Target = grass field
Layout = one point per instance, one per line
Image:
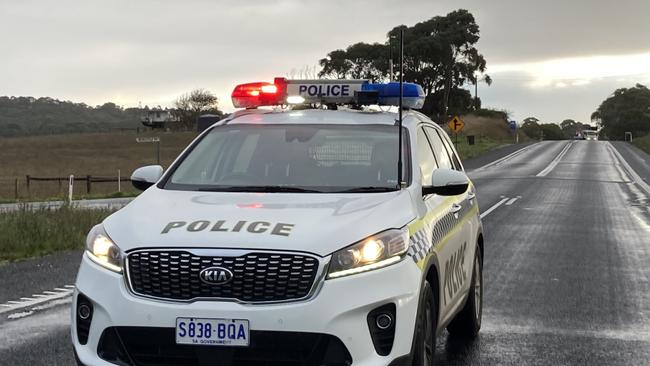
(30, 233)
(81, 155)
(103, 154)
(643, 143)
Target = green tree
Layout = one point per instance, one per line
(628, 109)
(195, 103)
(551, 131)
(460, 101)
(358, 61)
(440, 54)
(570, 128)
(530, 126)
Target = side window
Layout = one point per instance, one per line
(450, 150)
(439, 149)
(426, 160)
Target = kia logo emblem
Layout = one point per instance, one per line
(216, 275)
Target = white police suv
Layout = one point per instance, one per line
(288, 236)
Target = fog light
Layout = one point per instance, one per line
(384, 321)
(84, 311)
(84, 318)
(381, 324)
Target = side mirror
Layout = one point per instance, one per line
(146, 176)
(447, 182)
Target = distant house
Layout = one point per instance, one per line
(158, 118)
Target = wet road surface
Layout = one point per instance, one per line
(566, 272)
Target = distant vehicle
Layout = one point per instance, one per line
(590, 135)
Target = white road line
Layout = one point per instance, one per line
(13, 306)
(496, 205)
(69, 286)
(630, 172)
(555, 161)
(499, 161)
(512, 200)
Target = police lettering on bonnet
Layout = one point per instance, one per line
(254, 227)
(341, 260)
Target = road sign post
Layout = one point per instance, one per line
(512, 125)
(155, 139)
(456, 125)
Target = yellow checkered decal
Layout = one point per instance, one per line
(428, 233)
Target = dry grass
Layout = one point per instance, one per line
(100, 154)
(485, 127)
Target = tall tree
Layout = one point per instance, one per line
(358, 61)
(627, 110)
(195, 103)
(440, 55)
(531, 128)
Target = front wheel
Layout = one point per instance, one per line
(467, 322)
(426, 324)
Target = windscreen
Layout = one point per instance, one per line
(289, 157)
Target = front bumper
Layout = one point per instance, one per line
(340, 309)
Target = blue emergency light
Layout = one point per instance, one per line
(320, 91)
(388, 94)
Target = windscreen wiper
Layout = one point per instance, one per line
(369, 189)
(264, 189)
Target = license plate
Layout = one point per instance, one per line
(212, 332)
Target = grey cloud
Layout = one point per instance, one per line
(150, 50)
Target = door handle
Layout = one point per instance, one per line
(455, 208)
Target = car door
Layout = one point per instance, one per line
(454, 247)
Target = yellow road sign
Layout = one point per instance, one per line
(456, 124)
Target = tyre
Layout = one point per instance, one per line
(467, 322)
(426, 323)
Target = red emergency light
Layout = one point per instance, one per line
(253, 95)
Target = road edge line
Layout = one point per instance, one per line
(21, 305)
(500, 160)
(630, 171)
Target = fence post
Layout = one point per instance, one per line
(70, 188)
(16, 188)
(119, 181)
(29, 192)
(88, 184)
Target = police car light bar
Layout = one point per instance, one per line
(359, 92)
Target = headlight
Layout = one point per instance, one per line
(374, 252)
(102, 250)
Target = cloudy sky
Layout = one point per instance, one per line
(552, 59)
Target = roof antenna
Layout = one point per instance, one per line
(401, 96)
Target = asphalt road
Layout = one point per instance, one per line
(567, 265)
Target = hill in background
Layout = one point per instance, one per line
(20, 116)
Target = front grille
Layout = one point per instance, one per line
(149, 346)
(257, 276)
